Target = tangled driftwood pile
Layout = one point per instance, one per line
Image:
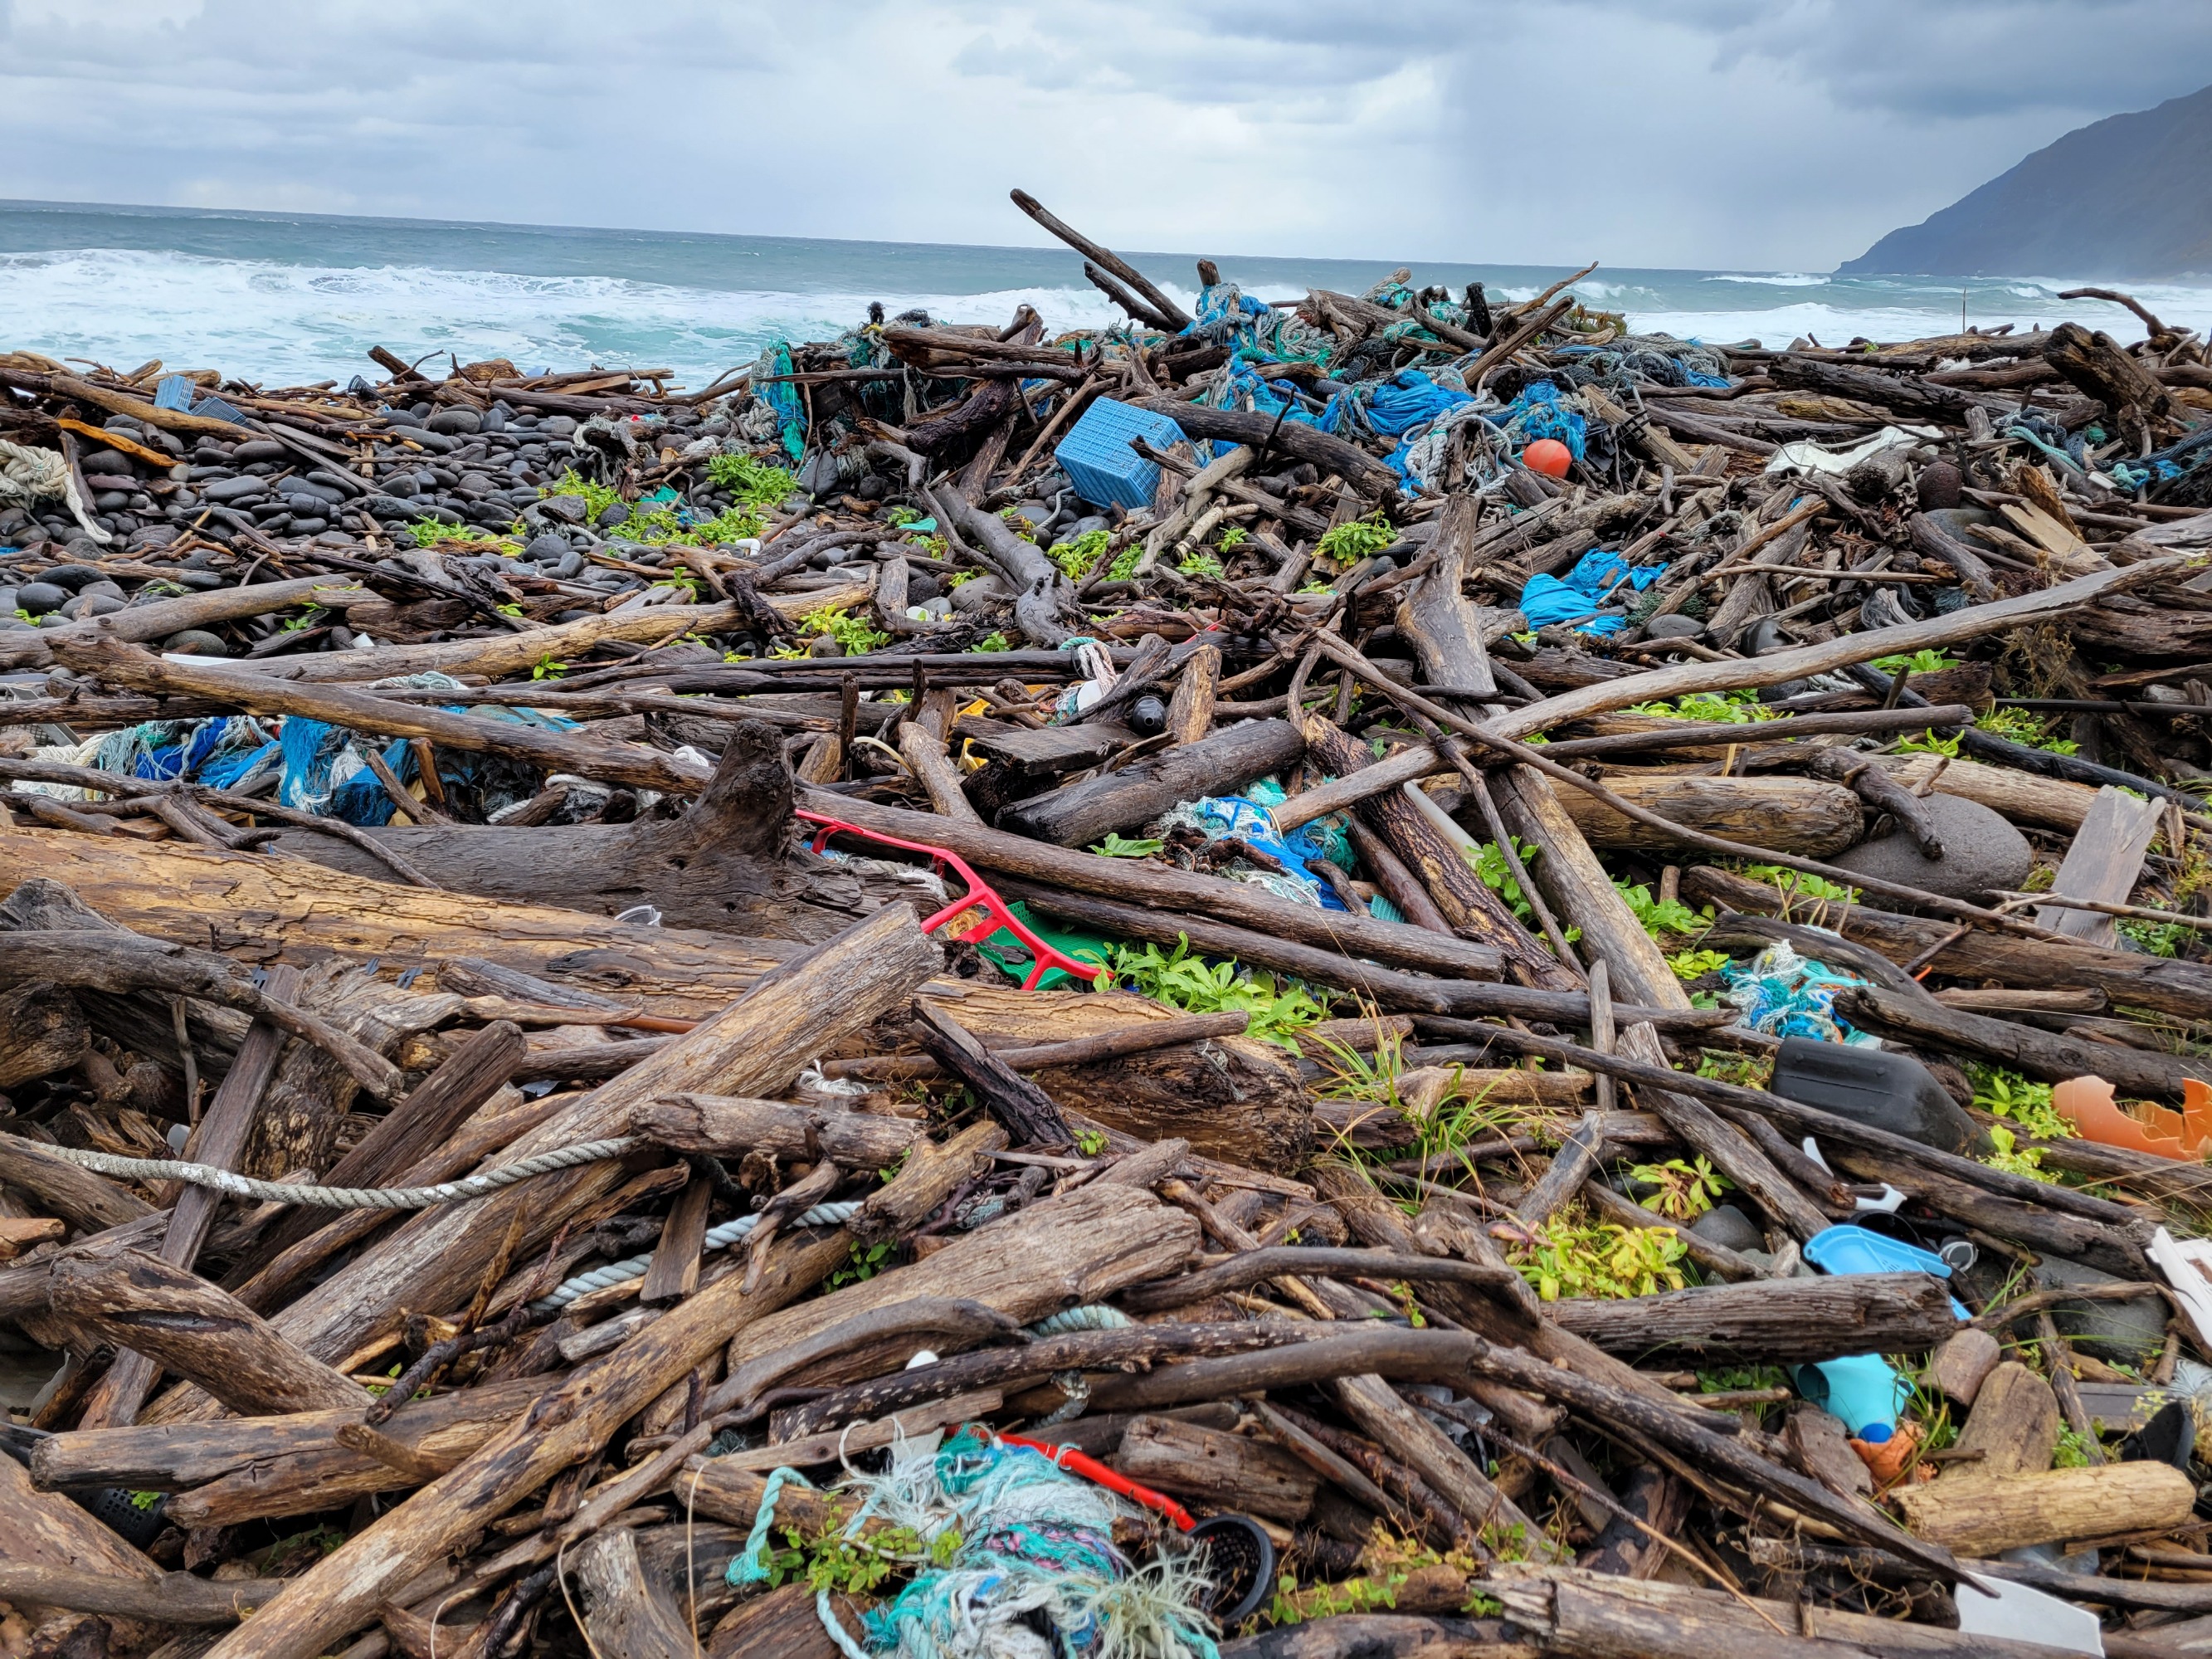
(1504, 773)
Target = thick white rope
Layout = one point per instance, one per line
(346, 1198)
(717, 1238)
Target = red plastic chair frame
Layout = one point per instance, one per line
(981, 895)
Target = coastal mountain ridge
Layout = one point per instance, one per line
(2130, 195)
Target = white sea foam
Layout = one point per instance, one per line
(291, 322)
(294, 324)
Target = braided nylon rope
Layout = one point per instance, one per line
(346, 1198)
(717, 1238)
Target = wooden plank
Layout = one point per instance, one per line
(2103, 863)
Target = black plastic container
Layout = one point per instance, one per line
(1875, 1087)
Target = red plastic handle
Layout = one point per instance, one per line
(981, 895)
(1090, 1468)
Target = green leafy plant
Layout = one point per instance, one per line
(2017, 1100)
(1725, 1066)
(2073, 1449)
(2008, 1157)
(755, 482)
(545, 668)
(1120, 846)
(428, 532)
(1090, 1142)
(1488, 862)
(2024, 725)
(992, 643)
(1079, 557)
(1571, 1255)
(1657, 916)
(863, 1264)
(1360, 538)
(2161, 939)
(1741, 1379)
(830, 1563)
(851, 632)
(1920, 662)
(1200, 563)
(900, 517)
(1386, 1563)
(1687, 1189)
(1929, 744)
(1795, 885)
(1183, 979)
(1233, 537)
(1707, 708)
(1696, 965)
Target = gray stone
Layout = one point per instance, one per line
(37, 598)
(1730, 1227)
(613, 512)
(95, 604)
(2129, 1331)
(565, 509)
(228, 490)
(455, 423)
(1672, 626)
(196, 643)
(71, 576)
(548, 548)
(1981, 851)
(979, 594)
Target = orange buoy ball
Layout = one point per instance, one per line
(1549, 457)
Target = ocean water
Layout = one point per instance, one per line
(285, 298)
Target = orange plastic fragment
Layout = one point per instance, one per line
(1885, 1460)
(2087, 1103)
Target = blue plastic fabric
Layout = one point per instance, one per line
(311, 754)
(1407, 399)
(1249, 821)
(1547, 601)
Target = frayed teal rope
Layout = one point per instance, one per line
(749, 1568)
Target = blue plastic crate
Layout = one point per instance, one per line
(1098, 461)
(178, 392)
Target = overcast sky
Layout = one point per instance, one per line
(1762, 134)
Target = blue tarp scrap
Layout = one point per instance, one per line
(1547, 601)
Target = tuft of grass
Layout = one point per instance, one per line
(428, 532)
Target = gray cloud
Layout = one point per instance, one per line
(1762, 133)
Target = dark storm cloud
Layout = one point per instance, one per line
(1690, 132)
